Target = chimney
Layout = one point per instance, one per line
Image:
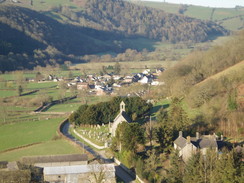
(197, 135)
(188, 139)
(180, 133)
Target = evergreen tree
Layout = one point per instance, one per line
(175, 173)
(192, 171)
(225, 171)
(20, 90)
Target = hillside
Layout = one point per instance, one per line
(211, 83)
(229, 18)
(70, 30)
(133, 20)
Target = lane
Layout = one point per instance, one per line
(119, 171)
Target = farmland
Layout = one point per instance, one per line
(230, 18)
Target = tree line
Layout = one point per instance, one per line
(105, 112)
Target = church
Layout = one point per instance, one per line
(121, 117)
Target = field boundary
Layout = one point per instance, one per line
(20, 147)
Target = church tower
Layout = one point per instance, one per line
(122, 107)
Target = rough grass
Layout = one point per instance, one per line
(74, 104)
(129, 67)
(20, 134)
(221, 15)
(47, 148)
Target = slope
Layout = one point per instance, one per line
(211, 83)
(66, 38)
(229, 18)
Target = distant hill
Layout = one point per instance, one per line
(229, 18)
(72, 29)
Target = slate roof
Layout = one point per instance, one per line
(180, 141)
(123, 113)
(78, 169)
(207, 142)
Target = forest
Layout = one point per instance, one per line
(101, 26)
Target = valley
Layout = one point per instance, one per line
(152, 89)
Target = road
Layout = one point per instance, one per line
(119, 171)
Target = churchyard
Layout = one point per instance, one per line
(98, 134)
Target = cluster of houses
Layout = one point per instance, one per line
(105, 84)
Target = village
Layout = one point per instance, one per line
(107, 84)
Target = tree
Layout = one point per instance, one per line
(175, 173)
(177, 116)
(130, 135)
(224, 171)
(117, 68)
(20, 90)
(192, 171)
(38, 77)
(151, 165)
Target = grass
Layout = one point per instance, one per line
(41, 5)
(34, 85)
(74, 104)
(204, 13)
(168, 7)
(47, 148)
(95, 132)
(199, 12)
(127, 67)
(20, 134)
(164, 103)
(8, 93)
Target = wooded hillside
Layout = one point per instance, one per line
(211, 82)
(67, 32)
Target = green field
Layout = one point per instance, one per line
(230, 18)
(126, 67)
(73, 104)
(47, 4)
(54, 147)
(20, 134)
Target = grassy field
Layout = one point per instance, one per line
(73, 105)
(225, 16)
(53, 147)
(47, 4)
(128, 67)
(20, 134)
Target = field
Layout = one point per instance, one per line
(230, 18)
(126, 67)
(72, 105)
(24, 133)
(47, 148)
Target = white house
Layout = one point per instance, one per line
(144, 80)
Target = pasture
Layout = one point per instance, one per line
(230, 18)
(53, 147)
(24, 133)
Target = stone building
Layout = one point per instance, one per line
(121, 117)
(56, 160)
(190, 145)
(80, 173)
